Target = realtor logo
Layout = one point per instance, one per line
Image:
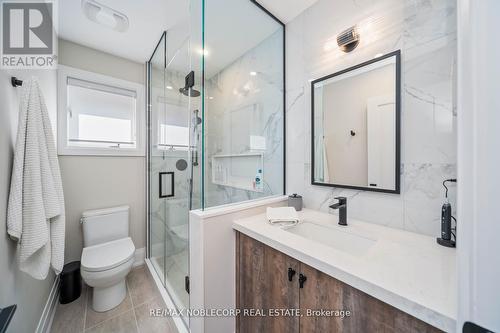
(28, 35)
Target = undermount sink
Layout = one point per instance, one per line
(335, 237)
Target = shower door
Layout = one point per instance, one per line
(173, 136)
(156, 209)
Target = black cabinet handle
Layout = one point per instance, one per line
(302, 279)
(291, 273)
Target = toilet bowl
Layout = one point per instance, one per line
(104, 267)
(107, 256)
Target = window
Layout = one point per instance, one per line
(99, 115)
(173, 122)
(174, 136)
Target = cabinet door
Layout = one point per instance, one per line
(262, 283)
(319, 292)
(367, 314)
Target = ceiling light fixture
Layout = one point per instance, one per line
(253, 73)
(105, 15)
(169, 87)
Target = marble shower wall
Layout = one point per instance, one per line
(425, 31)
(238, 105)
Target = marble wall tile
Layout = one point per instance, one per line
(170, 211)
(296, 133)
(429, 117)
(425, 31)
(423, 196)
(240, 105)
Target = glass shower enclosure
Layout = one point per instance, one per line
(215, 124)
(174, 130)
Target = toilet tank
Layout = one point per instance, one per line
(105, 225)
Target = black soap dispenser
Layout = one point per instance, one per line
(446, 238)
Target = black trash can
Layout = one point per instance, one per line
(71, 283)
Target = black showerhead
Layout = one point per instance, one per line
(190, 92)
(188, 86)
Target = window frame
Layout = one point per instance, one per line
(65, 72)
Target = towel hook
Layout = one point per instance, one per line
(16, 82)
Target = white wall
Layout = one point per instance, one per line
(79, 56)
(92, 182)
(479, 162)
(98, 182)
(425, 31)
(29, 294)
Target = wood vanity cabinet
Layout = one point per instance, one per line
(262, 283)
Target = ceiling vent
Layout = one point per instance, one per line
(105, 15)
(348, 39)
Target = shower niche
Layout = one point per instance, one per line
(241, 171)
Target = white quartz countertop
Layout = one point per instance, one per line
(406, 270)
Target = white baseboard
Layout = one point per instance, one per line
(139, 257)
(45, 322)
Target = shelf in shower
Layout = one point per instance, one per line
(239, 171)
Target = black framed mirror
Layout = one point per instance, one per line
(356, 126)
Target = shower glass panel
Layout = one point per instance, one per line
(156, 209)
(174, 127)
(244, 103)
(215, 124)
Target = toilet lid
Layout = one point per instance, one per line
(108, 255)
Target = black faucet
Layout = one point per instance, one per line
(342, 207)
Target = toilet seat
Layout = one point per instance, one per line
(106, 256)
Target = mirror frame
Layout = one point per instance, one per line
(397, 167)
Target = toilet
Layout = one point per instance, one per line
(107, 256)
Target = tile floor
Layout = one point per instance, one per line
(132, 315)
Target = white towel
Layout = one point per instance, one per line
(35, 215)
(282, 215)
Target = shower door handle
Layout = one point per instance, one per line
(166, 184)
